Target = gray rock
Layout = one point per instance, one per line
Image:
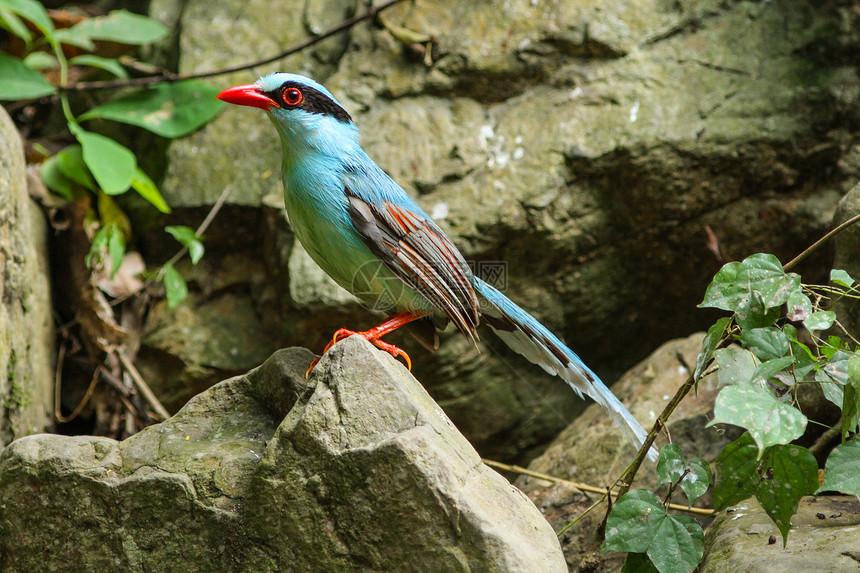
(847, 246)
(591, 149)
(824, 538)
(356, 469)
(26, 322)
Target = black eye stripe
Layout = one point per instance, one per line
(314, 101)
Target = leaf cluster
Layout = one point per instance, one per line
(770, 345)
(96, 164)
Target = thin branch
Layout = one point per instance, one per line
(627, 478)
(216, 207)
(84, 401)
(142, 386)
(825, 439)
(581, 486)
(809, 250)
(372, 12)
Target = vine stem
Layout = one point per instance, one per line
(581, 486)
(814, 246)
(626, 480)
(372, 12)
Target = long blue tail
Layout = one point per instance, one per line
(523, 333)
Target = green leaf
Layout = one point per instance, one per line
(737, 477)
(116, 248)
(632, 521)
(109, 237)
(70, 162)
(99, 243)
(174, 286)
(122, 27)
(694, 475)
(771, 368)
(113, 165)
(851, 399)
(805, 361)
(670, 465)
(75, 36)
(761, 273)
(784, 474)
(697, 480)
(752, 312)
(841, 278)
(820, 320)
(147, 189)
(679, 544)
(766, 343)
(20, 82)
(799, 307)
(41, 61)
(186, 236)
(11, 22)
(109, 65)
(769, 420)
(32, 11)
(54, 179)
(833, 376)
(789, 473)
(842, 470)
(169, 110)
(639, 523)
(834, 344)
(111, 214)
(735, 365)
(638, 563)
(709, 344)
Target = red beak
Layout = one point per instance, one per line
(249, 95)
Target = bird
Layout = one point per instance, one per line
(375, 241)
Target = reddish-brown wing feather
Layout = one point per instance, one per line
(418, 252)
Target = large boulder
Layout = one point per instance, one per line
(356, 469)
(608, 157)
(824, 537)
(26, 319)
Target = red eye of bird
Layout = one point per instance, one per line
(293, 96)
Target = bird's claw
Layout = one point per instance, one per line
(342, 333)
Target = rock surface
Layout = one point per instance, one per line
(26, 322)
(356, 469)
(590, 147)
(824, 537)
(847, 246)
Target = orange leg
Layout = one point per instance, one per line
(373, 335)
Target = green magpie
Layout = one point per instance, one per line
(371, 238)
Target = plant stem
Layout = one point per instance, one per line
(629, 475)
(809, 250)
(581, 486)
(826, 439)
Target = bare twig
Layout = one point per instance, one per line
(372, 12)
(825, 439)
(79, 408)
(142, 386)
(582, 486)
(181, 252)
(809, 250)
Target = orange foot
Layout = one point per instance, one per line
(373, 336)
